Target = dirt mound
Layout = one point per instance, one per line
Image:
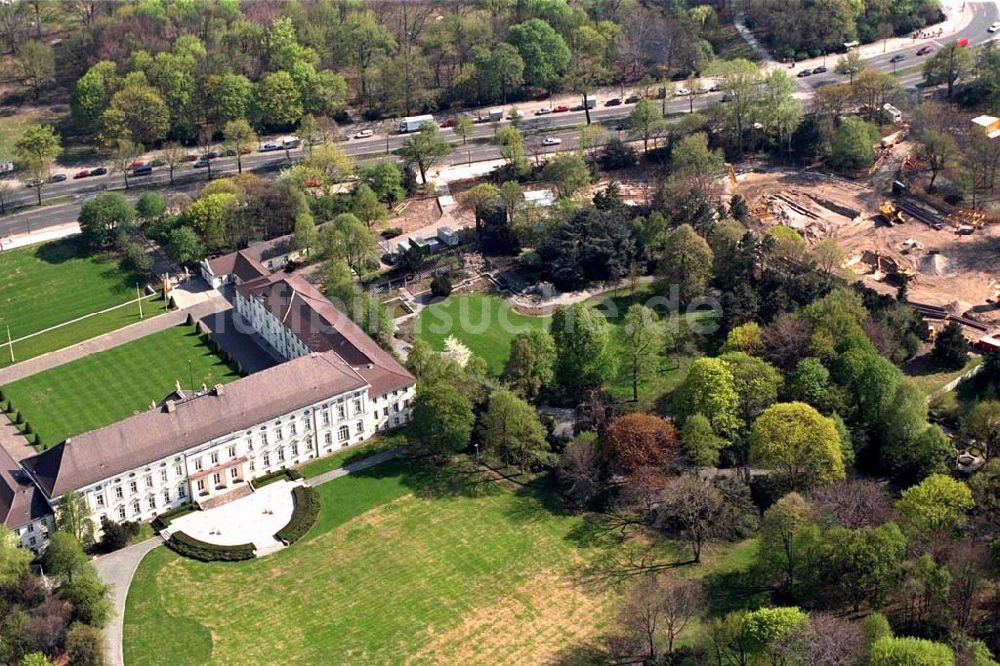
(936, 264)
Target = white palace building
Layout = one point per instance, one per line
(335, 388)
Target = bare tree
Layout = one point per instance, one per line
(693, 509)
(579, 471)
(825, 639)
(853, 504)
(656, 612)
(681, 602)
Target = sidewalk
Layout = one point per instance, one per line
(49, 234)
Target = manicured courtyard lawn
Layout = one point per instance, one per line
(401, 566)
(354, 453)
(106, 387)
(485, 324)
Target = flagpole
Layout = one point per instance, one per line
(10, 345)
(138, 297)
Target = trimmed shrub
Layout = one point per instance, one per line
(304, 515)
(277, 475)
(38, 441)
(18, 419)
(2, 396)
(9, 407)
(164, 519)
(27, 428)
(190, 320)
(188, 546)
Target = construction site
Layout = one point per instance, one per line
(891, 235)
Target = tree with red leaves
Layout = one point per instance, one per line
(637, 441)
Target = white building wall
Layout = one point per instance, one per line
(35, 535)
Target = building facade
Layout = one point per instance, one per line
(336, 388)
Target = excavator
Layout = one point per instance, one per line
(890, 213)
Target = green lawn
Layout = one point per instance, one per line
(111, 385)
(49, 284)
(404, 565)
(353, 454)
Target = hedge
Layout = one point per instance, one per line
(277, 475)
(186, 545)
(164, 519)
(304, 515)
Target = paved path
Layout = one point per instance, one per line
(108, 340)
(116, 570)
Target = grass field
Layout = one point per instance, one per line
(404, 565)
(355, 453)
(106, 387)
(45, 285)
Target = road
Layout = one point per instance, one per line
(561, 125)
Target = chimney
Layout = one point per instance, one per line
(218, 389)
(171, 406)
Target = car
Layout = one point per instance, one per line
(632, 99)
(143, 170)
(562, 108)
(819, 70)
(578, 107)
(715, 87)
(544, 111)
(191, 157)
(99, 171)
(994, 26)
(924, 50)
(614, 101)
(137, 163)
(390, 258)
(621, 127)
(899, 57)
(34, 182)
(448, 122)
(57, 178)
(81, 174)
(682, 92)
(551, 141)
(210, 155)
(804, 73)
(200, 164)
(364, 134)
(269, 147)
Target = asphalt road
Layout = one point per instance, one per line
(561, 125)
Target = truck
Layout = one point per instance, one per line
(590, 102)
(413, 123)
(495, 114)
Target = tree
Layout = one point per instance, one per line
(862, 564)
(744, 338)
(173, 154)
(64, 557)
(123, 154)
(35, 65)
(511, 428)
(88, 596)
(701, 445)
(938, 505)
(531, 364)
(951, 349)
(568, 172)
(741, 82)
(592, 139)
(851, 147)
(686, 262)
(633, 442)
(34, 659)
(938, 148)
(850, 64)
(442, 419)
(385, 179)
(92, 92)
(511, 143)
(304, 235)
(14, 560)
(948, 64)
(366, 206)
(425, 149)
(463, 127)
(185, 246)
(810, 382)
(583, 355)
(544, 53)
(85, 645)
(786, 539)
(137, 113)
(756, 382)
(499, 71)
(824, 639)
(909, 651)
(981, 426)
(798, 442)
(278, 100)
(579, 470)
(209, 215)
(349, 239)
(655, 612)
(101, 217)
(694, 509)
(240, 136)
(708, 390)
(328, 164)
(441, 286)
(765, 628)
(645, 122)
(692, 160)
(150, 206)
(639, 345)
(35, 151)
(829, 255)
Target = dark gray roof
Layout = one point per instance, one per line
(168, 430)
(20, 500)
(256, 253)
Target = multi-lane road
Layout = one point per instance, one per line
(478, 147)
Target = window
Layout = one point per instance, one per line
(197, 463)
(182, 491)
(406, 403)
(163, 475)
(215, 457)
(136, 509)
(32, 541)
(251, 464)
(232, 451)
(292, 427)
(328, 438)
(263, 438)
(100, 500)
(121, 513)
(178, 470)
(281, 454)
(341, 411)
(217, 478)
(307, 424)
(133, 487)
(326, 418)
(249, 442)
(166, 496)
(234, 472)
(31, 527)
(267, 459)
(395, 408)
(360, 427)
(385, 411)
(152, 503)
(395, 421)
(201, 484)
(357, 405)
(149, 480)
(343, 433)
(280, 432)
(295, 450)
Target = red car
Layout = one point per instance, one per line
(560, 109)
(449, 122)
(81, 174)
(925, 50)
(191, 157)
(138, 163)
